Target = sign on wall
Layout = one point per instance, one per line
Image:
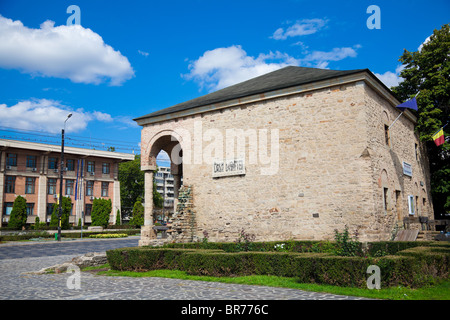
(407, 169)
(225, 168)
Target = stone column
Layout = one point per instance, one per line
(147, 232)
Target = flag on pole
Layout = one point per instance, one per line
(439, 138)
(410, 104)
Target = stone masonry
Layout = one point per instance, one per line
(330, 166)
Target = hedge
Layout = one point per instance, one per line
(70, 235)
(414, 267)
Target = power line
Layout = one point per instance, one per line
(72, 139)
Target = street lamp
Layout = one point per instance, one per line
(61, 170)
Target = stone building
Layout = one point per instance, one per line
(293, 154)
(32, 170)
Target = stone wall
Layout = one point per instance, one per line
(325, 169)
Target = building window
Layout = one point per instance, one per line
(10, 185)
(90, 166)
(386, 135)
(105, 187)
(49, 209)
(105, 168)
(29, 185)
(51, 186)
(52, 163)
(411, 206)
(416, 149)
(69, 187)
(11, 159)
(385, 198)
(30, 209)
(89, 188)
(31, 161)
(8, 208)
(88, 210)
(70, 165)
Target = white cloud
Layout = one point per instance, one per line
(300, 28)
(222, 67)
(47, 115)
(68, 52)
(391, 79)
(143, 53)
(321, 59)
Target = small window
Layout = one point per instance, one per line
(49, 209)
(29, 185)
(52, 163)
(31, 161)
(51, 186)
(90, 166)
(105, 187)
(8, 208)
(411, 205)
(70, 165)
(385, 199)
(88, 210)
(69, 187)
(89, 188)
(30, 209)
(11, 159)
(105, 168)
(386, 135)
(10, 184)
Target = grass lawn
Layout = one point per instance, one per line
(440, 291)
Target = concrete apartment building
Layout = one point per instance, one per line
(165, 187)
(32, 171)
(293, 154)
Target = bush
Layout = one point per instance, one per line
(413, 267)
(66, 207)
(345, 246)
(138, 214)
(18, 218)
(101, 209)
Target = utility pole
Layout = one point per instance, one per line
(61, 170)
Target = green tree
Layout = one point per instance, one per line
(101, 210)
(18, 217)
(118, 222)
(132, 182)
(428, 71)
(138, 214)
(66, 209)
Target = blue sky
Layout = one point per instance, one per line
(129, 58)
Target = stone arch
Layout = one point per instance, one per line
(166, 140)
(171, 142)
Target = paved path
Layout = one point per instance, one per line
(14, 250)
(17, 284)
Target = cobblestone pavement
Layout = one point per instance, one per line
(17, 284)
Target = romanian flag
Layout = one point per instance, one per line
(438, 137)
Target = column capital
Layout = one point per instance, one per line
(148, 168)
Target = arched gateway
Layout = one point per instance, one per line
(170, 142)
